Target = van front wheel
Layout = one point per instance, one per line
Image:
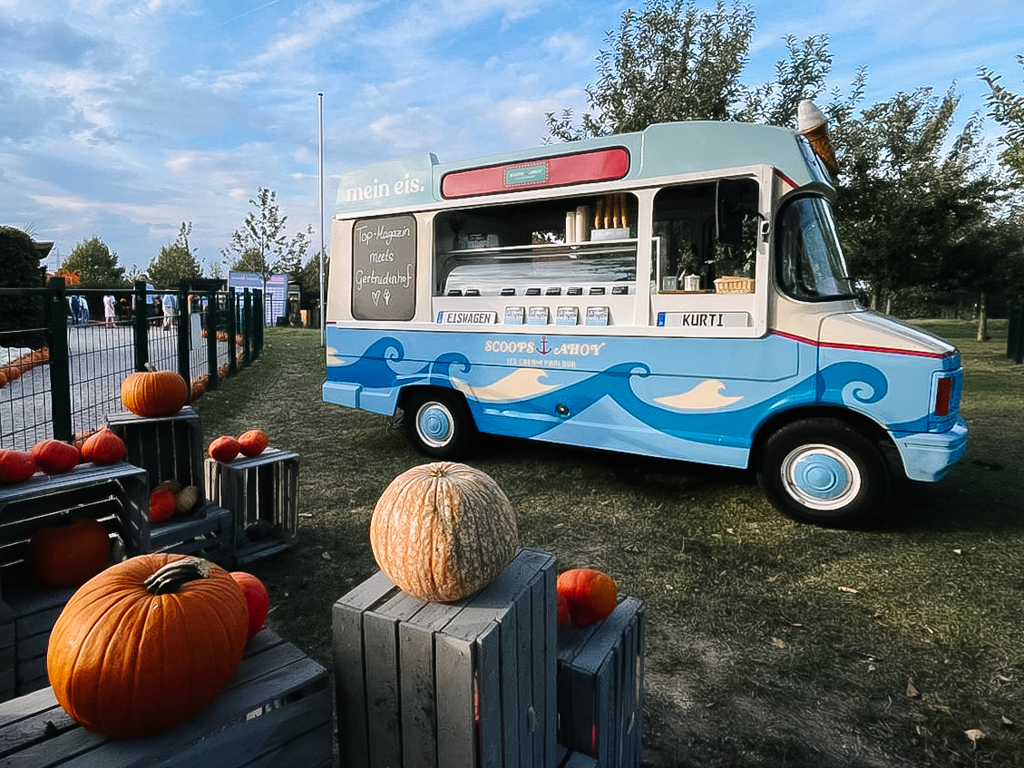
(824, 472)
(438, 423)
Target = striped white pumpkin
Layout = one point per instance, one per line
(442, 531)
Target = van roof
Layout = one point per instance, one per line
(664, 149)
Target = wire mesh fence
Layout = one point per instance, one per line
(61, 370)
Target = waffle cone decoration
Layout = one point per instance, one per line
(813, 126)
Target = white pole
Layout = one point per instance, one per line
(320, 178)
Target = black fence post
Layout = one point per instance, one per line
(60, 360)
(232, 319)
(247, 324)
(260, 317)
(212, 326)
(1014, 346)
(141, 326)
(184, 320)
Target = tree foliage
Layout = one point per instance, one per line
(261, 245)
(19, 268)
(308, 279)
(176, 262)
(96, 265)
(1007, 109)
(672, 61)
(917, 202)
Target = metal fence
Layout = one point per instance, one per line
(61, 370)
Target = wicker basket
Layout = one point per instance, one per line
(734, 285)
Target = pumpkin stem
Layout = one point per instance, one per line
(149, 367)
(167, 579)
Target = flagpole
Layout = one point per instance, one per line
(320, 184)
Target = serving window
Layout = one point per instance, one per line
(558, 245)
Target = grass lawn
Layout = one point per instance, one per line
(770, 643)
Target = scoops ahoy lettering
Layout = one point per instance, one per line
(524, 347)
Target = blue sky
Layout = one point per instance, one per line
(122, 119)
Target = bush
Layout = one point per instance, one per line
(19, 268)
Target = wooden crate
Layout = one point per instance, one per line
(171, 448)
(275, 711)
(600, 687)
(207, 532)
(262, 493)
(116, 495)
(470, 683)
(168, 448)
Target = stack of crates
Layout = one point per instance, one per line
(171, 448)
(117, 496)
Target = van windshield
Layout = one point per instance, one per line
(810, 262)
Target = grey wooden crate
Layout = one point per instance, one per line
(8, 654)
(277, 710)
(262, 493)
(208, 532)
(168, 448)
(600, 687)
(116, 495)
(469, 683)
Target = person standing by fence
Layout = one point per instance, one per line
(76, 309)
(170, 307)
(108, 310)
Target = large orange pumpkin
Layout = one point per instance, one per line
(154, 393)
(146, 644)
(442, 531)
(69, 555)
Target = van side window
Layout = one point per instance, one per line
(687, 222)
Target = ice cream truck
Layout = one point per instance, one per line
(677, 292)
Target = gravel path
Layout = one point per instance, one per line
(100, 359)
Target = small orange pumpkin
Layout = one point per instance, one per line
(55, 457)
(442, 531)
(592, 595)
(146, 644)
(253, 442)
(16, 466)
(154, 393)
(103, 447)
(162, 504)
(224, 448)
(69, 555)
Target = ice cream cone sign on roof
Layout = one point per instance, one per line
(812, 125)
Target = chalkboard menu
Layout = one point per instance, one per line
(384, 268)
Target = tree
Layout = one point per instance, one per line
(20, 268)
(176, 262)
(1007, 109)
(261, 244)
(915, 204)
(308, 279)
(96, 265)
(672, 61)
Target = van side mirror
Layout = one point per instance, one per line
(729, 212)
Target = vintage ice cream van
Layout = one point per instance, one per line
(678, 292)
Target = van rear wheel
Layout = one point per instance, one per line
(438, 423)
(822, 471)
